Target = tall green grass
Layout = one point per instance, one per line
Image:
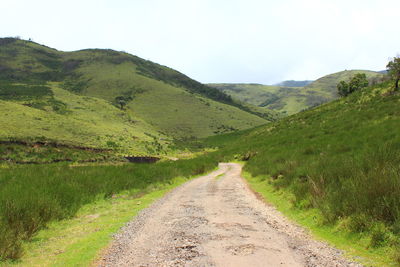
(342, 158)
(32, 196)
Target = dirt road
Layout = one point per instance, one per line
(215, 220)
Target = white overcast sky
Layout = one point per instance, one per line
(255, 41)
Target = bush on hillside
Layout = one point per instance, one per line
(393, 68)
(357, 82)
(122, 101)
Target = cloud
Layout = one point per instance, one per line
(220, 41)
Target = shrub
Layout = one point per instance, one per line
(356, 83)
(379, 235)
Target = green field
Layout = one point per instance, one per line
(291, 100)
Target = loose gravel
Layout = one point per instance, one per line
(216, 220)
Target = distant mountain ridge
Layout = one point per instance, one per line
(293, 83)
(292, 99)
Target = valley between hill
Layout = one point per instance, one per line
(105, 100)
(335, 166)
(292, 99)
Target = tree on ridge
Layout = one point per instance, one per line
(393, 68)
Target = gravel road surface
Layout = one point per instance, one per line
(216, 220)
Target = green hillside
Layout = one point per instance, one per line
(107, 99)
(338, 163)
(81, 121)
(291, 100)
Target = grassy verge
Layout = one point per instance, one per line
(32, 197)
(356, 245)
(79, 241)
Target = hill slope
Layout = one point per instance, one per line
(291, 100)
(341, 158)
(108, 99)
(79, 121)
(328, 83)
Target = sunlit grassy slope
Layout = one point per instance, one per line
(171, 109)
(291, 100)
(85, 121)
(341, 159)
(72, 98)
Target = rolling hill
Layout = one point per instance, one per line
(106, 99)
(291, 100)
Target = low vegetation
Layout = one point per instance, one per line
(79, 241)
(32, 196)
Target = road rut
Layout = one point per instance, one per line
(215, 220)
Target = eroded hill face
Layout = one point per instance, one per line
(104, 98)
(289, 99)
